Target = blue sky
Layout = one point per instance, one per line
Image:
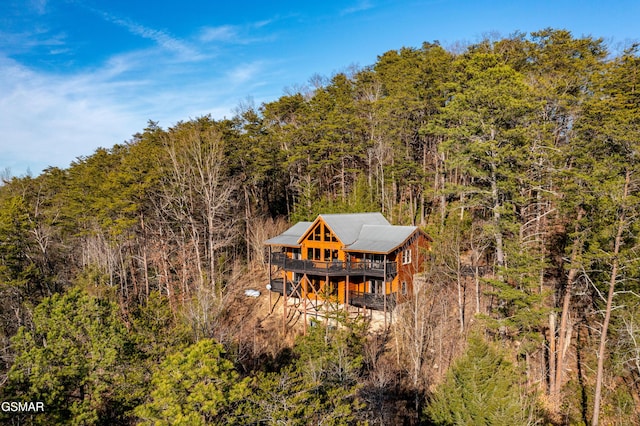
(76, 75)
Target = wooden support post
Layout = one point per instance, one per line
(326, 298)
(346, 294)
(284, 302)
(306, 294)
(384, 290)
(270, 280)
(304, 300)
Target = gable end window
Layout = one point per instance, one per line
(317, 233)
(406, 257)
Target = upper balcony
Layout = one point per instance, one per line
(335, 268)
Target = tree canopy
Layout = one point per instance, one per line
(120, 275)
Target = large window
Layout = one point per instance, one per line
(328, 236)
(313, 253)
(376, 286)
(375, 260)
(317, 233)
(406, 256)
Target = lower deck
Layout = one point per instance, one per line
(354, 296)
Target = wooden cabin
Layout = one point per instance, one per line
(355, 259)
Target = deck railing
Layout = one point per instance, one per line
(356, 298)
(335, 267)
(277, 287)
(372, 300)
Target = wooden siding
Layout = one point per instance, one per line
(320, 268)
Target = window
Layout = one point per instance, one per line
(313, 253)
(296, 254)
(406, 257)
(376, 286)
(333, 288)
(375, 260)
(317, 233)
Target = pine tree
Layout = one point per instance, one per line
(481, 388)
(611, 168)
(195, 386)
(74, 360)
(319, 387)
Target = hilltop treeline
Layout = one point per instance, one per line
(519, 156)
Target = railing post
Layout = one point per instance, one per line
(284, 303)
(384, 290)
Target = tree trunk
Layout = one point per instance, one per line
(563, 332)
(552, 359)
(607, 314)
(497, 220)
(461, 301)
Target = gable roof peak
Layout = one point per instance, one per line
(347, 226)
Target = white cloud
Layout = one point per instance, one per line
(221, 33)
(162, 38)
(236, 34)
(359, 7)
(263, 23)
(244, 72)
(27, 40)
(50, 120)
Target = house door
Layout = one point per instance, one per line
(376, 286)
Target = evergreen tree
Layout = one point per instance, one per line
(611, 129)
(488, 146)
(319, 387)
(195, 386)
(481, 388)
(74, 359)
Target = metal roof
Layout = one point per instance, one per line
(347, 226)
(381, 239)
(291, 236)
(358, 232)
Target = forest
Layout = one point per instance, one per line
(122, 276)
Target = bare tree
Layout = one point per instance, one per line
(622, 225)
(418, 326)
(629, 346)
(260, 229)
(199, 202)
